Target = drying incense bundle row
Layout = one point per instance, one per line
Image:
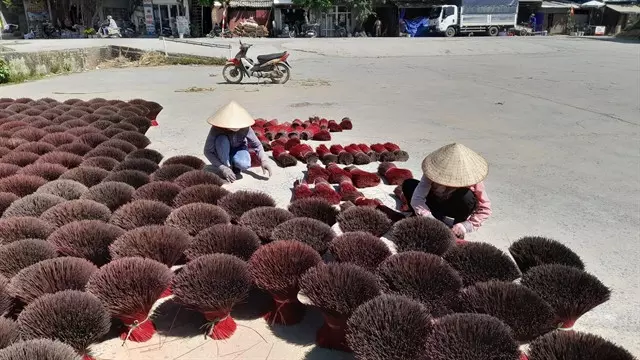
(94, 223)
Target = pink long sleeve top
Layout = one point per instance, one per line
(426, 186)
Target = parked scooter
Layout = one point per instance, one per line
(303, 30)
(272, 66)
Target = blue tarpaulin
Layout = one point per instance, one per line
(416, 27)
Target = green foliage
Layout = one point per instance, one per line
(90, 31)
(362, 8)
(314, 4)
(4, 72)
(11, 4)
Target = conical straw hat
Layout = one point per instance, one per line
(455, 165)
(231, 116)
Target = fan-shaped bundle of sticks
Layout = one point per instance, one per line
(213, 284)
(66, 189)
(50, 276)
(571, 292)
(470, 336)
(129, 289)
(236, 240)
(423, 277)
(571, 345)
(337, 289)
(263, 220)
(198, 177)
(277, 268)
(24, 253)
(74, 317)
(530, 251)
(519, 307)
(239, 202)
(365, 219)
(6, 300)
(389, 327)
(422, 234)
(193, 218)
(360, 248)
(477, 262)
(88, 239)
(318, 209)
(39, 349)
(310, 231)
(164, 244)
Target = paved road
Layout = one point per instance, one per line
(556, 117)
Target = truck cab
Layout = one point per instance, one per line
(444, 19)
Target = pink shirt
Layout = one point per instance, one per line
(482, 212)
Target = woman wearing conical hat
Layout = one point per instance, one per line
(451, 189)
(229, 141)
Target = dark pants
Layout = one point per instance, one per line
(459, 206)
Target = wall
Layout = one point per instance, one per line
(34, 64)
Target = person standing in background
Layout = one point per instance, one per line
(377, 27)
(533, 21)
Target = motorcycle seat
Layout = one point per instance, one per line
(264, 58)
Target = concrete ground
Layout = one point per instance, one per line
(557, 118)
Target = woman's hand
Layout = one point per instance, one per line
(459, 230)
(228, 174)
(266, 168)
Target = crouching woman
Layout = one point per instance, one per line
(451, 189)
(229, 141)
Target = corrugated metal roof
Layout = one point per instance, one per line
(625, 9)
(251, 3)
(559, 5)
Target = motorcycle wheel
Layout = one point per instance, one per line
(292, 34)
(314, 34)
(286, 74)
(232, 74)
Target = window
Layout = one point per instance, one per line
(335, 22)
(448, 11)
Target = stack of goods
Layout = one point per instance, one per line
(249, 28)
(315, 128)
(96, 229)
(360, 154)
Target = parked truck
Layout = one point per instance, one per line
(473, 16)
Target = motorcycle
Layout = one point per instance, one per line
(303, 30)
(106, 32)
(273, 66)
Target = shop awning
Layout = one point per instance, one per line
(282, 2)
(559, 5)
(251, 3)
(625, 9)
